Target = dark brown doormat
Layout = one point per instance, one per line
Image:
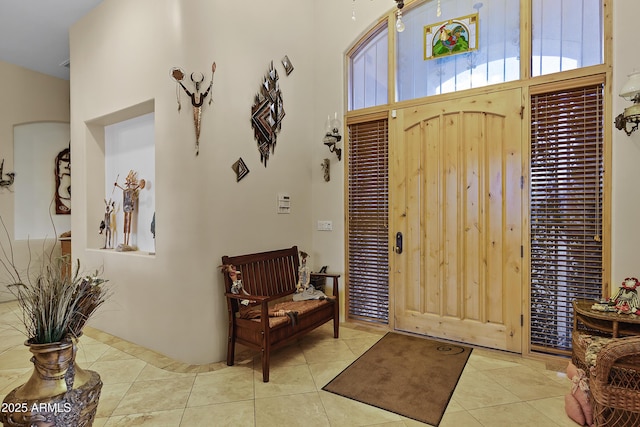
(411, 376)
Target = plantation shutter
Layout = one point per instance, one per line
(566, 198)
(368, 249)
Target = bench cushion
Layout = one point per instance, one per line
(301, 307)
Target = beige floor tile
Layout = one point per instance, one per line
(16, 357)
(518, 414)
(527, 383)
(10, 338)
(12, 378)
(286, 356)
(150, 396)
(461, 419)
(118, 371)
(323, 373)
(88, 353)
(454, 406)
(233, 414)
(361, 344)
(150, 372)
(148, 419)
(343, 412)
(115, 354)
(224, 386)
(481, 362)
(284, 381)
(477, 390)
(296, 410)
(401, 423)
(110, 397)
(327, 350)
(100, 422)
(553, 408)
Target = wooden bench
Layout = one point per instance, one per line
(270, 279)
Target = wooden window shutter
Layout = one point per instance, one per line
(368, 248)
(566, 195)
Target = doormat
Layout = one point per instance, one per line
(411, 376)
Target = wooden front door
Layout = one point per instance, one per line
(456, 197)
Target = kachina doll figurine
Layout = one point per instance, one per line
(130, 193)
(105, 224)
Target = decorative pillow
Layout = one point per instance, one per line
(573, 409)
(580, 393)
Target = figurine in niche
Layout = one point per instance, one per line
(153, 233)
(130, 193)
(63, 182)
(153, 226)
(105, 224)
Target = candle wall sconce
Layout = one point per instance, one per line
(332, 135)
(197, 97)
(10, 176)
(629, 120)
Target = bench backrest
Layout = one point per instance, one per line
(270, 273)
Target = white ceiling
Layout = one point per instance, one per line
(35, 33)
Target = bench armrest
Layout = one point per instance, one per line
(333, 276)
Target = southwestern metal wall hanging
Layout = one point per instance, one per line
(240, 168)
(267, 113)
(63, 182)
(10, 176)
(288, 66)
(197, 97)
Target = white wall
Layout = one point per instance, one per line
(27, 97)
(335, 33)
(626, 152)
(36, 147)
(122, 54)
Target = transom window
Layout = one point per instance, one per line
(566, 35)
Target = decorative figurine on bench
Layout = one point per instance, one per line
(304, 288)
(236, 288)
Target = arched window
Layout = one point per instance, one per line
(565, 35)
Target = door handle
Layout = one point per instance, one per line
(398, 248)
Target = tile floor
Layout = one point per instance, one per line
(143, 388)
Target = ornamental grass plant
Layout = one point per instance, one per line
(55, 304)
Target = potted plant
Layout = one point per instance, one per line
(56, 306)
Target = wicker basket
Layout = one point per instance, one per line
(615, 383)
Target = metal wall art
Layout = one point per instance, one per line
(240, 168)
(63, 182)
(288, 66)
(10, 176)
(267, 113)
(197, 97)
